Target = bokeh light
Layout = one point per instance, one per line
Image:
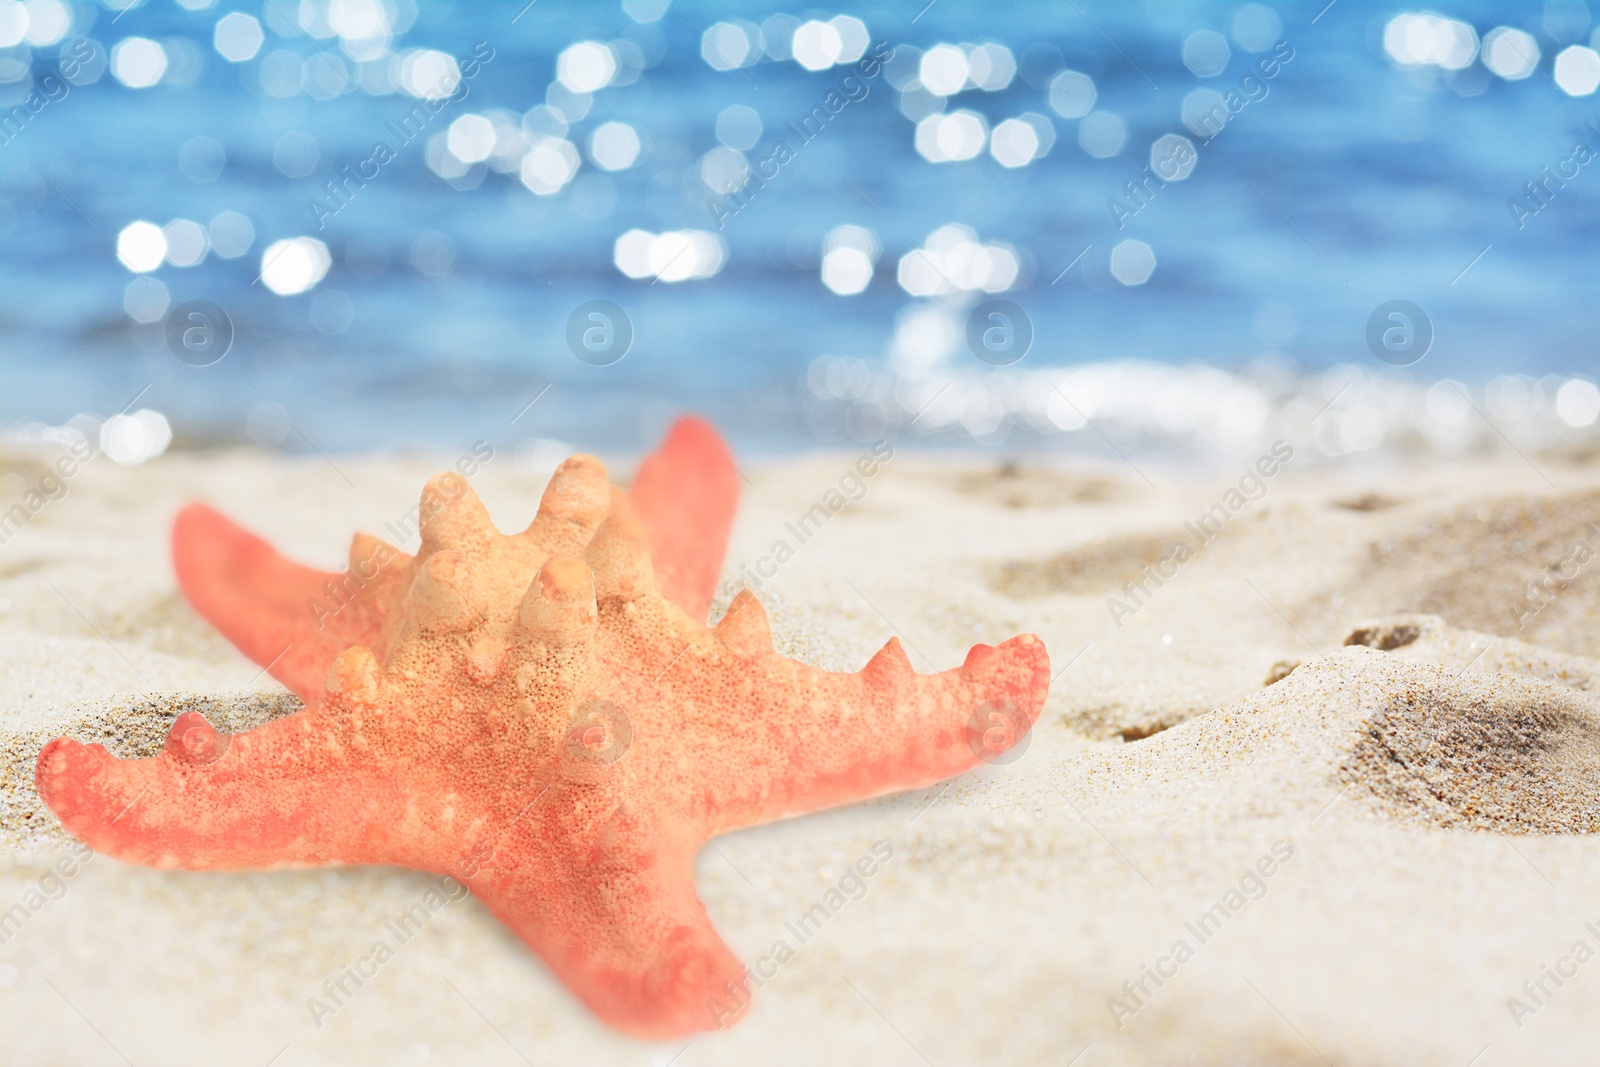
(145, 300)
(138, 62)
(134, 438)
(1205, 112)
(13, 23)
(281, 74)
(723, 170)
(1510, 53)
(675, 256)
(730, 45)
(296, 153)
(1419, 39)
(1132, 262)
(1256, 27)
(187, 242)
(816, 45)
(141, 246)
(849, 253)
(1577, 70)
(943, 70)
(295, 265)
(739, 127)
(1205, 53)
(1019, 141)
(853, 38)
(1173, 157)
(1578, 402)
(238, 37)
(951, 138)
(231, 234)
(586, 67)
(991, 67)
(429, 74)
(614, 146)
(202, 158)
(1102, 134)
(471, 138)
(549, 165)
(952, 258)
(48, 22)
(1072, 94)
(777, 36)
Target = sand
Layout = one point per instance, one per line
(1319, 792)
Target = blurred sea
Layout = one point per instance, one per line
(1353, 176)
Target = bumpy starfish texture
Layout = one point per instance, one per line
(295, 620)
(562, 745)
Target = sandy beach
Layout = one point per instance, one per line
(1315, 787)
(1229, 364)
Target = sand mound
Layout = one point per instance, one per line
(1518, 758)
(1401, 737)
(128, 727)
(1517, 565)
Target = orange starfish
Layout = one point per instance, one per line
(538, 720)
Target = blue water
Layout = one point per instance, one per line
(1351, 183)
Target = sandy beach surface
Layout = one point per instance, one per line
(1316, 788)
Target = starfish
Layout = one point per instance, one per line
(537, 720)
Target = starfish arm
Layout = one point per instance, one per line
(294, 620)
(311, 787)
(685, 495)
(604, 891)
(292, 792)
(793, 739)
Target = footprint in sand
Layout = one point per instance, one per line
(1493, 745)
